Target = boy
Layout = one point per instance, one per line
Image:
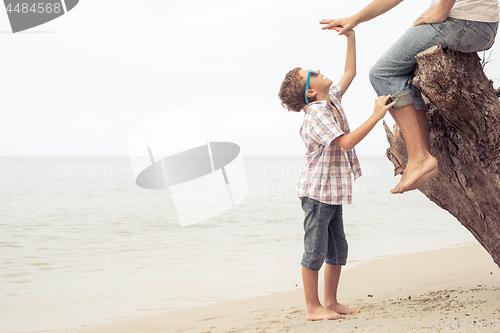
(325, 183)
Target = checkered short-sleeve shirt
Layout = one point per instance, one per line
(327, 174)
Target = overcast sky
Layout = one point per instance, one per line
(79, 85)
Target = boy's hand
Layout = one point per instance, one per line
(348, 33)
(381, 108)
(341, 25)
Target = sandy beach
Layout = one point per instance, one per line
(440, 290)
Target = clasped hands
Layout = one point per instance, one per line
(342, 25)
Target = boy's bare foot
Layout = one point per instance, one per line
(342, 309)
(422, 181)
(413, 172)
(320, 313)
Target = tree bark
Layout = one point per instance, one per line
(464, 126)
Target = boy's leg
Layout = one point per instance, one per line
(314, 309)
(420, 161)
(335, 258)
(316, 221)
(332, 276)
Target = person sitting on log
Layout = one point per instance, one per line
(460, 25)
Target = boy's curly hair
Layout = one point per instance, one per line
(291, 91)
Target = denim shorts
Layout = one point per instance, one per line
(324, 236)
(393, 72)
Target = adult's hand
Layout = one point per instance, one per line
(434, 14)
(341, 25)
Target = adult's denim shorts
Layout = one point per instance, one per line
(392, 74)
(324, 236)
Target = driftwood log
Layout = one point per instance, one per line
(464, 126)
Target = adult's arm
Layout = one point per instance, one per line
(436, 14)
(374, 9)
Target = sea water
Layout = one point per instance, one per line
(81, 244)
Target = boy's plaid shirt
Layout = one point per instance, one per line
(327, 175)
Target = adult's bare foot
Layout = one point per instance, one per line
(413, 172)
(320, 313)
(342, 309)
(422, 181)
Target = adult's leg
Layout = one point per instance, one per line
(420, 161)
(459, 35)
(424, 129)
(392, 75)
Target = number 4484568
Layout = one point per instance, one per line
(478, 324)
(36, 8)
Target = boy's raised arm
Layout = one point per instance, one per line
(350, 61)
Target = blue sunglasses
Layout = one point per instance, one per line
(307, 83)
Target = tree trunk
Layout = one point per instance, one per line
(464, 126)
